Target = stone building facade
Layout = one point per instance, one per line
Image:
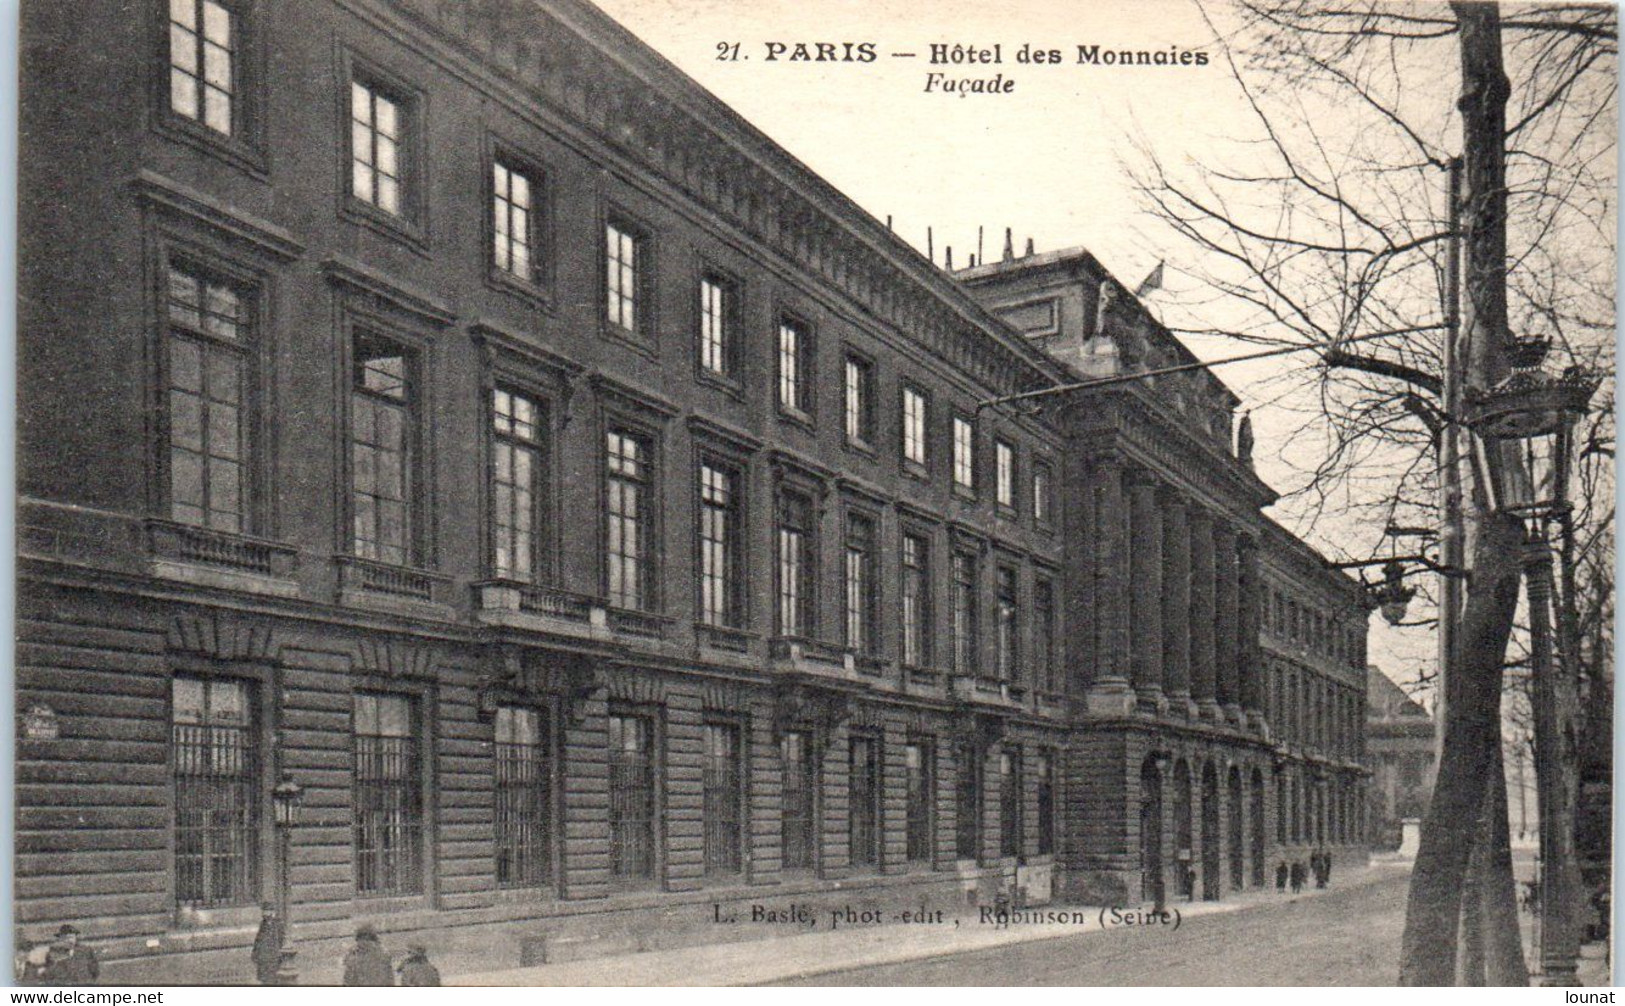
(1401, 753)
(589, 508)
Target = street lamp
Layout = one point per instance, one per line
(287, 797)
(1391, 596)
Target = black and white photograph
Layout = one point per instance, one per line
(814, 492)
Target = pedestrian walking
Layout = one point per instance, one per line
(29, 960)
(1297, 875)
(1326, 858)
(1280, 876)
(366, 963)
(68, 963)
(415, 969)
(267, 952)
(1319, 861)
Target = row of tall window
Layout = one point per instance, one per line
(1316, 712)
(1315, 630)
(216, 738)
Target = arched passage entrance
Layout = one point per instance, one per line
(1182, 829)
(1210, 833)
(1257, 812)
(1238, 848)
(1152, 876)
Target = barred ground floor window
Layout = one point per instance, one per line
(631, 797)
(523, 797)
(388, 796)
(217, 808)
(722, 799)
(968, 803)
(798, 825)
(864, 811)
(918, 766)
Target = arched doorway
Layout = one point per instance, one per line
(1152, 878)
(1257, 810)
(1182, 830)
(1210, 833)
(1238, 849)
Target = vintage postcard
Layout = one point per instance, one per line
(685, 492)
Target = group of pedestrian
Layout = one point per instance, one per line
(63, 960)
(1321, 863)
(1296, 874)
(368, 964)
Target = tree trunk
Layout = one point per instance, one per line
(1498, 890)
(1472, 710)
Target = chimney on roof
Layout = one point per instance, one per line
(1009, 248)
(930, 250)
(1029, 250)
(948, 260)
(888, 221)
(978, 242)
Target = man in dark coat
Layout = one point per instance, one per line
(366, 963)
(268, 945)
(416, 970)
(1281, 875)
(68, 963)
(1297, 876)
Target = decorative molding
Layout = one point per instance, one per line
(727, 436)
(220, 636)
(167, 194)
(345, 271)
(489, 335)
(394, 658)
(723, 696)
(626, 395)
(644, 689)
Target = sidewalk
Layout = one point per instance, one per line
(753, 962)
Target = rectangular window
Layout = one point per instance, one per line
(860, 584)
(864, 821)
(516, 481)
(207, 370)
(795, 370)
(388, 796)
(1004, 464)
(968, 803)
(918, 765)
(628, 550)
(716, 325)
(799, 779)
(722, 798)
(203, 47)
(797, 575)
(965, 613)
(513, 221)
(1009, 626)
(1043, 508)
(376, 136)
(382, 450)
(631, 797)
(915, 420)
(964, 453)
(1044, 669)
(623, 251)
(1010, 785)
(719, 546)
(916, 606)
(217, 810)
(1044, 770)
(860, 401)
(523, 797)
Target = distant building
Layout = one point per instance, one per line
(1400, 754)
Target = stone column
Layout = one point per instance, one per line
(1251, 614)
(1176, 602)
(1226, 628)
(1145, 590)
(1110, 693)
(1203, 682)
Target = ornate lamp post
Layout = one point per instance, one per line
(1392, 597)
(287, 797)
(1523, 447)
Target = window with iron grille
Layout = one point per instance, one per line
(1010, 803)
(1043, 505)
(203, 47)
(516, 477)
(965, 605)
(723, 798)
(216, 756)
(915, 420)
(918, 768)
(717, 325)
(720, 554)
(964, 453)
(377, 133)
(863, 821)
(861, 597)
(1004, 470)
(798, 829)
(1045, 670)
(860, 401)
(628, 549)
(1044, 770)
(207, 375)
(968, 802)
(916, 600)
(631, 797)
(524, 797)
(382, 450)
(513, 220)
(388, 796)
(623, 266)
(797, 571)
(1009, 626)
(795, 366)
